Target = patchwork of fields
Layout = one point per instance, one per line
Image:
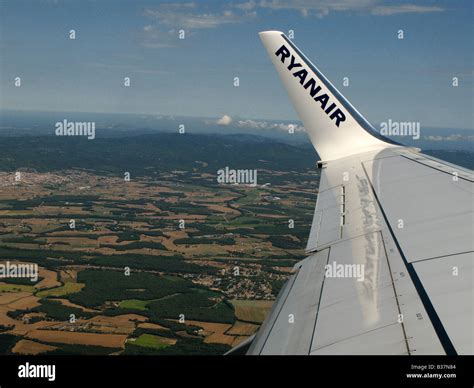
(167, 264)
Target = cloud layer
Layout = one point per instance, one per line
(321, 8)
(165, 20)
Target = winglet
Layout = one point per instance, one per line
(335, 127)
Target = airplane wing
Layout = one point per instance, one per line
(390, 254)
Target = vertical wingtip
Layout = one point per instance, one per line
(335, 127)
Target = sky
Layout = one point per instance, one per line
(406, 79)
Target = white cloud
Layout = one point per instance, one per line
(248, 6)
(224, 120)
(192, 17)
(387, 10)
(268, 125)
(453, 137)
(322, 8)
(318, 7)
(152, 37)
(189, 18)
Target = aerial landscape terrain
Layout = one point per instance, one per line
(140, 250)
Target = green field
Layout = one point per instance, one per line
(151, 341)
(251, 196)
(66, 289)
(134, 304)
(15, 288)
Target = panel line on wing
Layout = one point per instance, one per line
(442, 256)
(355, 336)
(319, 304)
(329, 244)
(395, 292)
(293, 280)
(436, 168)
(433, 315)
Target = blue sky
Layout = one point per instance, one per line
(404, 80)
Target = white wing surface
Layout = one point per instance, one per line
(390, 266)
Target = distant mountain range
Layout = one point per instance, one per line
(125, 136)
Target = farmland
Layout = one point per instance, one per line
(168, 262)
